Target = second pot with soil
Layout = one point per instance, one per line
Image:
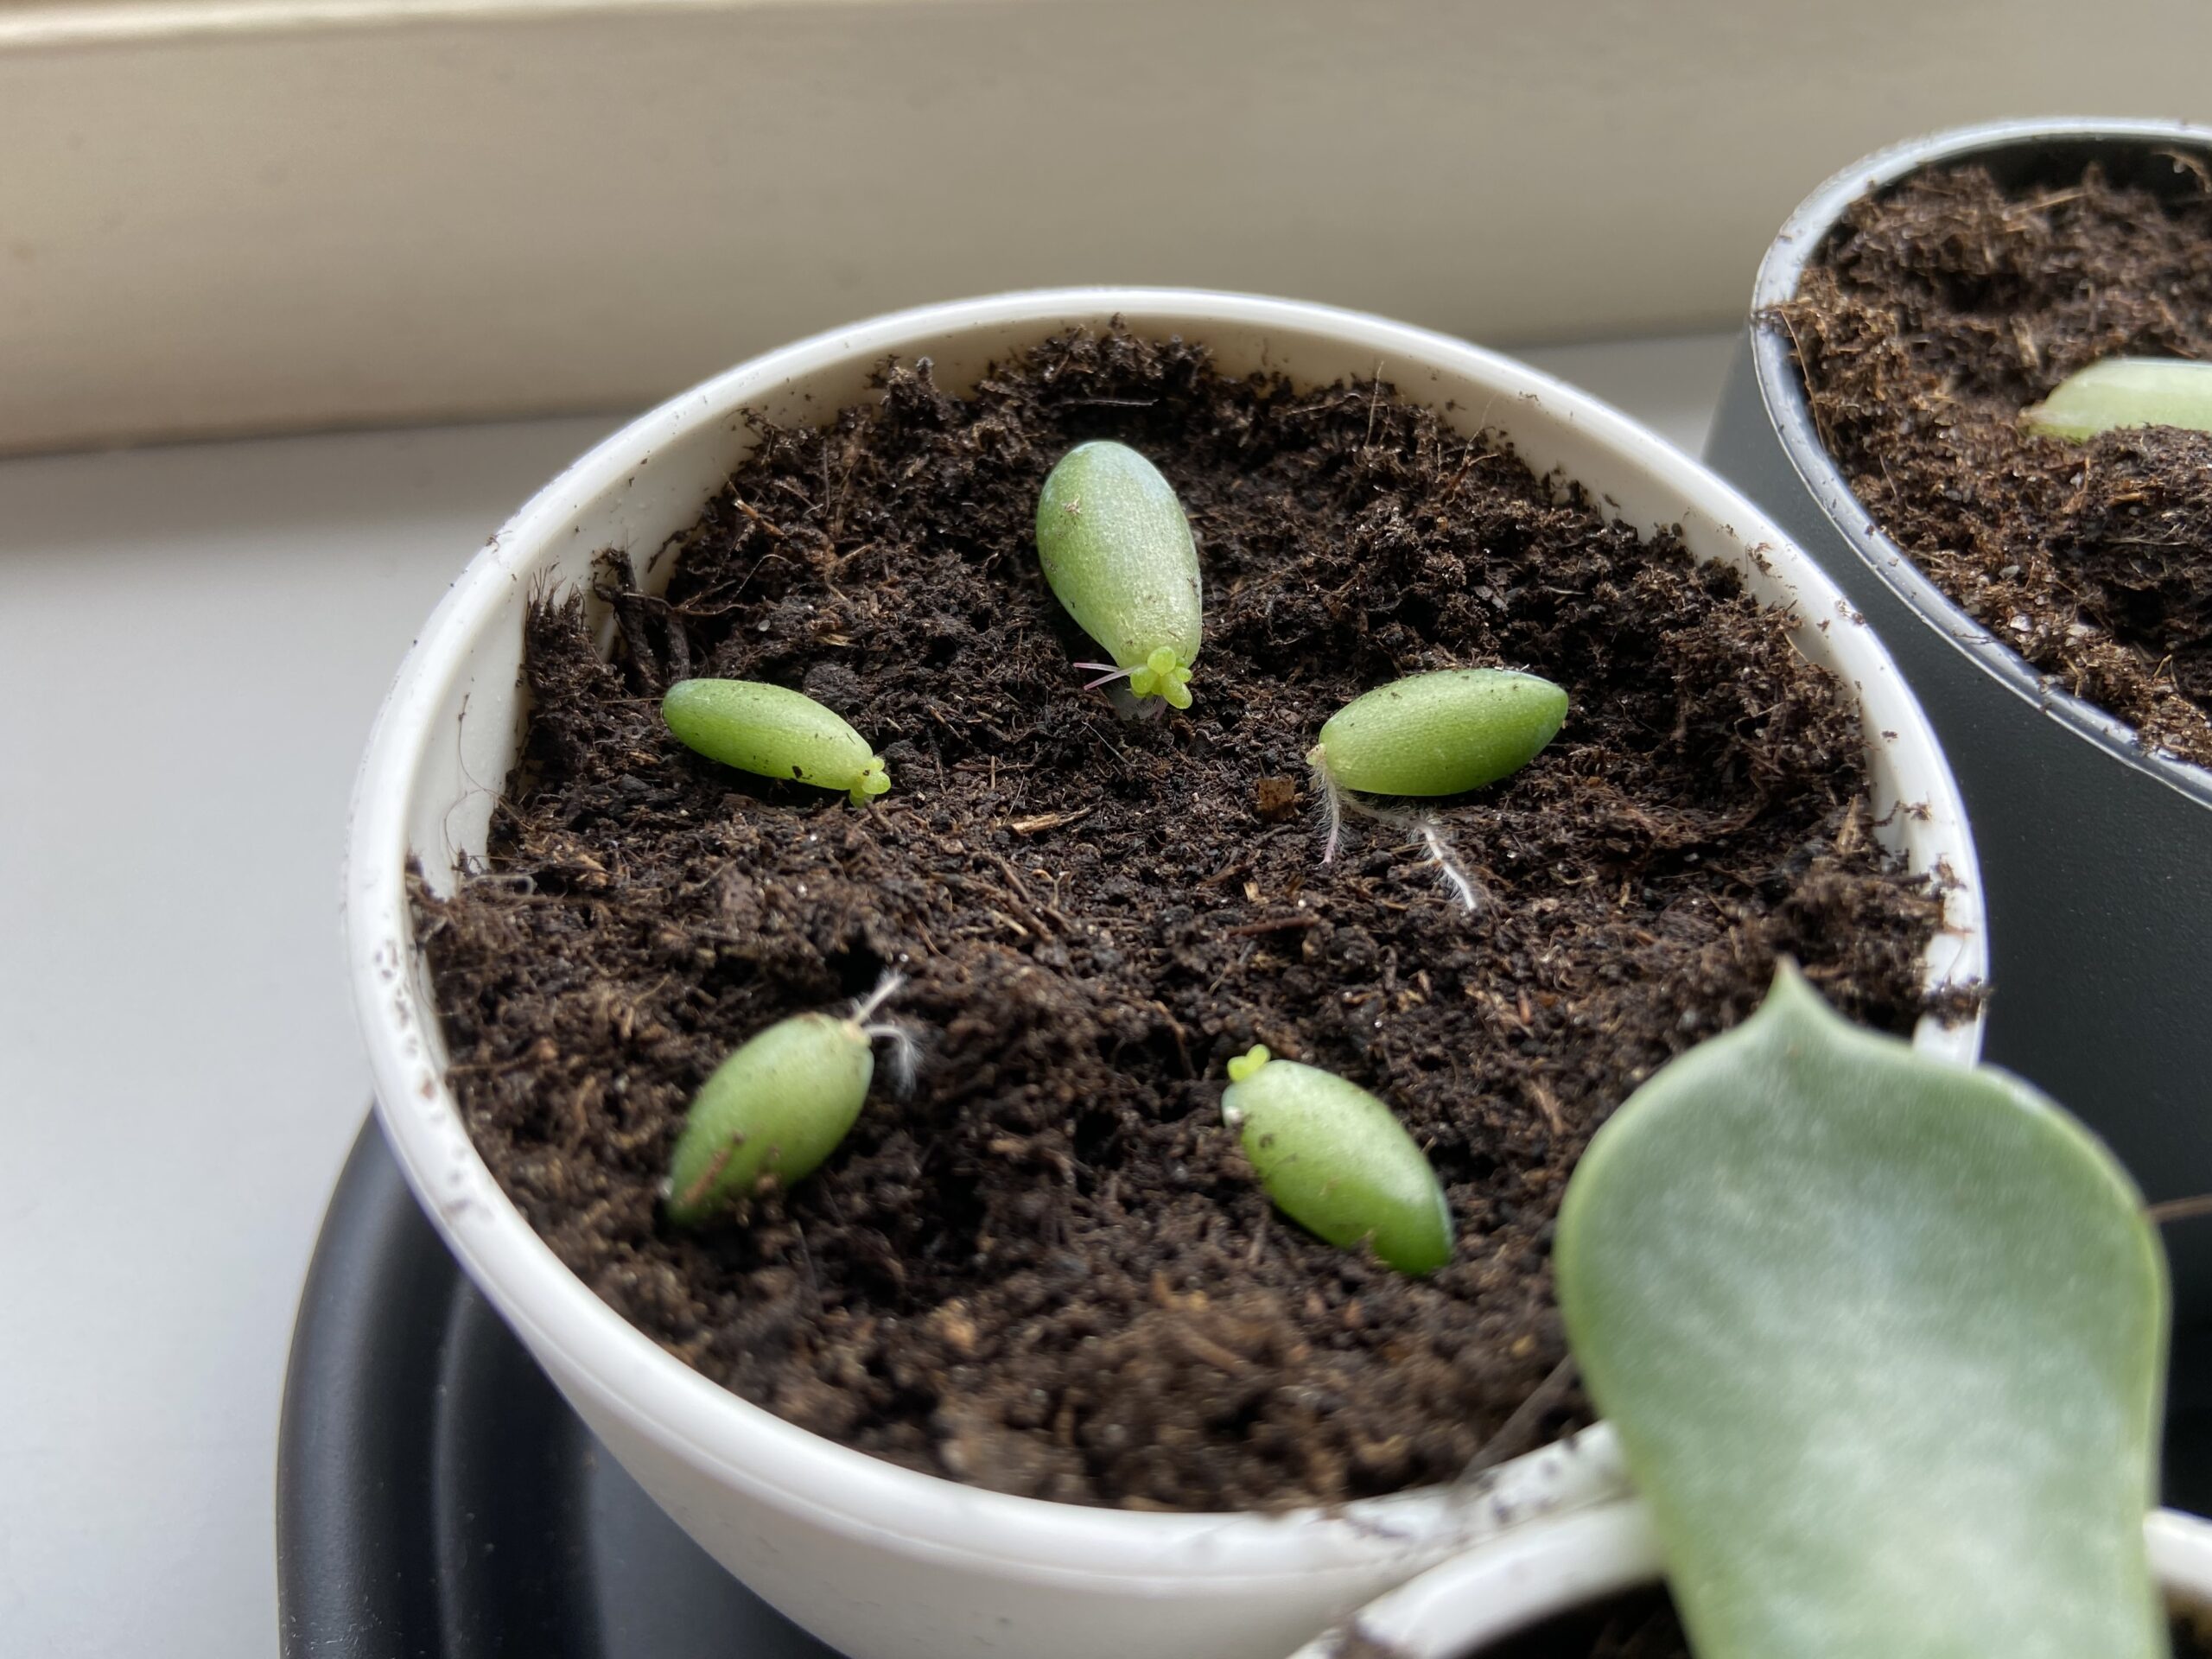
(1749, 775)
(2052, 607)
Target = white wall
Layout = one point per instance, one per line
(259, 215)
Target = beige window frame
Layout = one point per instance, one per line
(267, 214)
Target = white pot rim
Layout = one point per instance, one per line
(1457, 1608)
(748, 1448)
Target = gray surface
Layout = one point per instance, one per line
(193, 643)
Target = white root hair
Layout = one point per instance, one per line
(1337, 803)
(1448, 869)
(903, 1055)
(887, 987)
(1332, 806)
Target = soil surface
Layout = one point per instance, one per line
(1048, 1269)
(1933, 317)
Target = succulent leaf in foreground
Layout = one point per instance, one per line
(1882, 1337)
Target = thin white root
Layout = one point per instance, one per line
(1464, 885)
(1111, 674)
(904, 1056)
(886, 988)
(1337, 803)
(903, 1053)
(1333, 808)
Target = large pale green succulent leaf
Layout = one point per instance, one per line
(1882, 1337)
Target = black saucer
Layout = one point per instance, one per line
(437, 1499)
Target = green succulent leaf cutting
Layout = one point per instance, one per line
(1439, 732)
(1117, 551)
(769, 1113)
(2122, 392)
(775, 732)
(1882, 1340)
(1338, 1161)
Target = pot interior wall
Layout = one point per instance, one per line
(2056, 160)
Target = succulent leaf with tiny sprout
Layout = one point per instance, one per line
(1117, 552)
(1336, 1161)
(775, 732)
(2125, 392)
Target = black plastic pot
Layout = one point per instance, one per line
(2096, 856)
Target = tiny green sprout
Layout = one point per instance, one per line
(1117, 552)
(778, 733)
(776, 1107)
(1431, 735)
(1336, 1161)
(2125, 392)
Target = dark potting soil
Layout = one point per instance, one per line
(1048, 1269)
(1937, 314)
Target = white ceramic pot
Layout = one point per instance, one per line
(879, 1561)
(1551, 1567)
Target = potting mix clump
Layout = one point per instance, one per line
(1048, 1268)
(1933, 319)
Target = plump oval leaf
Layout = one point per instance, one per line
(774, 731)
(1882, 1337)
(2126, 392)
(1439, 734)
(1117, 552)
(1336, 1161)
(769, 1113)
